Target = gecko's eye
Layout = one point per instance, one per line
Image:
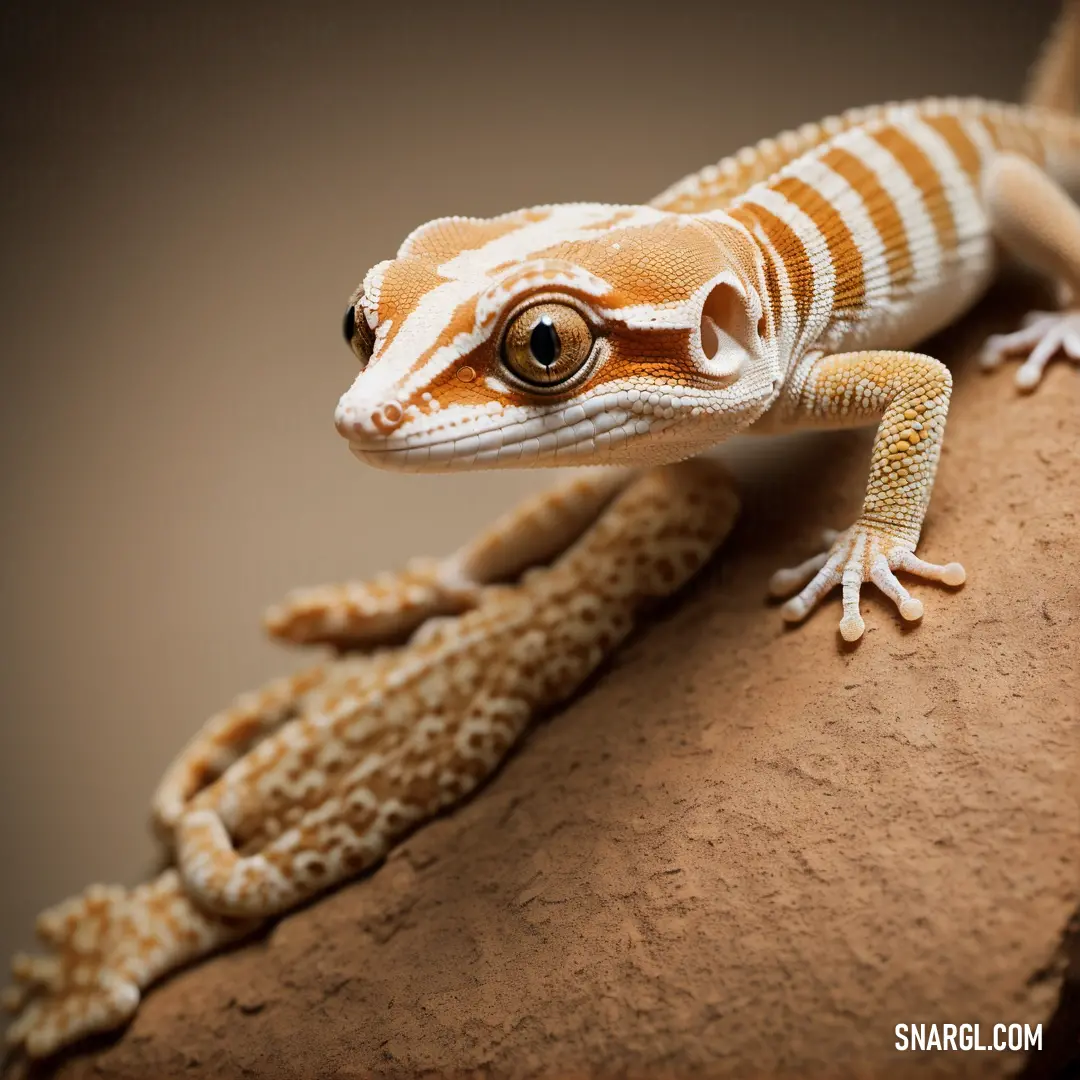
(545, 345)
(357, 333)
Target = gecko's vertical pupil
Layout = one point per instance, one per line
(544, 342)
(348, 324)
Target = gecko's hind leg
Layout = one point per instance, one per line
(386, 609)
(1035, 218)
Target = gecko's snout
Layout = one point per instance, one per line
(359, 422)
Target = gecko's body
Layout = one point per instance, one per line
(776, 289)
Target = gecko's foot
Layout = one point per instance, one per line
(860, 554)
(1043, 335)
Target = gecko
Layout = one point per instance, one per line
(784, 288)
(311, 780)
(780, 288)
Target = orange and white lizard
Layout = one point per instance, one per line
(774, 288)
(782, 288)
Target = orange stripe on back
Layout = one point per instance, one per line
(913, 160)
(881, 209)
(850, 289)
(1006, 134)
(772, 288)
(960, 143)
(790, 249)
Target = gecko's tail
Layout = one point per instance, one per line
(1054, 79)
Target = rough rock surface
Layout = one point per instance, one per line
(744, 851)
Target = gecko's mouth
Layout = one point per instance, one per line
(509, 449)
(451, 455)
(584, 433)
(403, 458)
(605, 430)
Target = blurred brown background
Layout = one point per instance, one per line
(189, 192)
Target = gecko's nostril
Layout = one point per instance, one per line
(387, 416)
(358, 422)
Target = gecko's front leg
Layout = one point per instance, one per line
(910, 393)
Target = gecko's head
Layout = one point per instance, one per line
(574, 334)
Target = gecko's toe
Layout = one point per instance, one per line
(788, 579)
(785, 581)
(1043, 336)
(825, 575)
(795, 610)
(952, 574)
(911, 609)
(1028, 376)
(992, 352)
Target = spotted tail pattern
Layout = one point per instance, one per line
(311, 780)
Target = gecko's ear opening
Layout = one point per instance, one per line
(729, 330)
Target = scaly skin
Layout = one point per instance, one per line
(311, 780)
(782, 288)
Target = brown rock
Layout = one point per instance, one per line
(743, 851)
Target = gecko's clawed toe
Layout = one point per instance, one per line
(911, 609)
(951, 574)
